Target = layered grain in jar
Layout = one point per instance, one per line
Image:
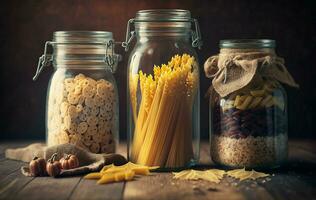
(249, 127)
(248, 111)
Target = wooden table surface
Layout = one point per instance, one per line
(295, 181)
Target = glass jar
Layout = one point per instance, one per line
(82, 97)
(248, 105)
(163, 83)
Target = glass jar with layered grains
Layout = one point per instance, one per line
(248, 105)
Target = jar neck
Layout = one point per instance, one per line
(247, 50)
(142, 38)
(80, 66)
(164, 30)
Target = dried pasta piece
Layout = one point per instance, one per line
(106, 178)
(245, 104)
(88, 91)
(138, 169)
(95, 148)
(77, 90)
(63, 108)
(237, 101)
(82, 127)
(257, 93)
(101, 89)
(79, 77)
(129, 175)
(111, 173)
(96, 138)
(72, 111)
(95, 111)
(92, 121)
(92, 129)
(212, 175)
(83, 117)
(79, 108)
(255, 102)
(73, 98)
(81, 99)
(243, 174)
(92, 82)
(69, 84)
(90, 102)
(227, 104)
(63, 137)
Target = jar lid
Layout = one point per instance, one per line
(247, 43)
(81, 47)
(82, 36)
(163, 15)
(163, 22)
(84, 49)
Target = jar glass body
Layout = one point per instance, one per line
(163, 127)
(82, 108)
(248, 128)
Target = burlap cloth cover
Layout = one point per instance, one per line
(89, 162)
(233, 69)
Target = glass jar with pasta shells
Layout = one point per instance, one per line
(163, 89)
(248, 105)
(82, 97)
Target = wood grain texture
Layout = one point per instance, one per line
(88, 189)
(12, 184)
(49, 188)
(297, 180)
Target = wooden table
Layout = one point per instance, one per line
(296, 181)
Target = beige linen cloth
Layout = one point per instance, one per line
(89, 162)
(234, 69)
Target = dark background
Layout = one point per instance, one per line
(26, 25)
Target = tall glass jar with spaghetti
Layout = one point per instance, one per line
(248, 105)
(82, 99)
(163, 89)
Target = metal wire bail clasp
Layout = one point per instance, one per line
(196, 35)
(129, 34)
(109, 57)
(43, 61)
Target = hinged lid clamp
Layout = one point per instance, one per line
(129, 34)
(109, 57)
(43, 61)
(196, 35)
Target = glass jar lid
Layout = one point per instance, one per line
(82, 36)
(247, 43)
(80, 48)
(83, 48)
(163, 15)
(163, 22)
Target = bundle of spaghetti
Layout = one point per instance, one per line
(182, 150)
(163, 130)
(133, 82)
(148, 87)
